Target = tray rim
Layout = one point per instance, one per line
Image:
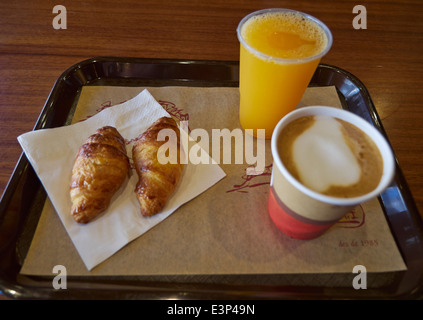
(23, 163)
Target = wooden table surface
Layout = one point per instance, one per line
(387, 56)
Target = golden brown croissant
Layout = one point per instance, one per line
(100, 168)
(157, 181)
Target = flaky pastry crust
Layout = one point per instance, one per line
(157, 181)
(101, 166)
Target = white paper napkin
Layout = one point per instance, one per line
(52, 152)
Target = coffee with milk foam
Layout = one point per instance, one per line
(330, 156)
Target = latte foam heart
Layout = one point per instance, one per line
(323, 157)
(330, 156)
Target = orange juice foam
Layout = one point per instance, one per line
(285, 35)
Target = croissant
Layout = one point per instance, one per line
(100, 168)
(157, 181)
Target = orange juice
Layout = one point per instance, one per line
(280, 50)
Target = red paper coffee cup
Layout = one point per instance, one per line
(303, 213)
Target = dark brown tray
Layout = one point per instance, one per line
(24, 197)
